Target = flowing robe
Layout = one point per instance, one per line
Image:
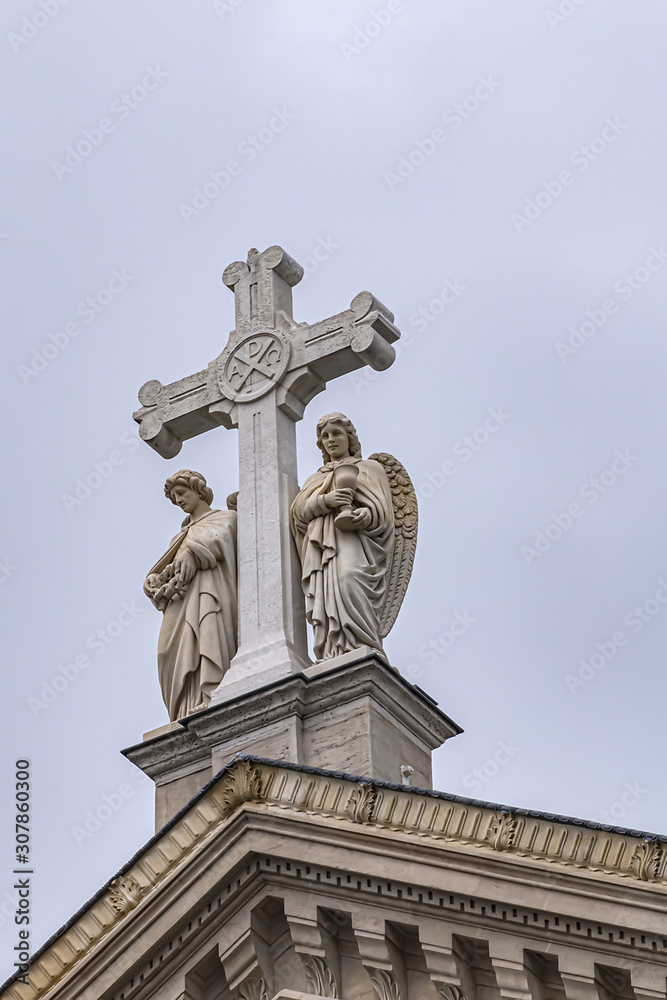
(198, 637)
(344, 573)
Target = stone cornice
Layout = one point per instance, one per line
(428, 819)
(403, 702)
(486, 827)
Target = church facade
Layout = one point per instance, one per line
(282, 879)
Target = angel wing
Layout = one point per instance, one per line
(404, 502)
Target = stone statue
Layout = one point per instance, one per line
(194, 584)
(355, 526)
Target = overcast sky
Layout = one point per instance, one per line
(493, 172)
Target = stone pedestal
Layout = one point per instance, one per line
(360, 717)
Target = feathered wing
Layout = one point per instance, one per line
(404, 502)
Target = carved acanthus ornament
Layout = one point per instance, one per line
(241, 784)
(645, 862)
(386, 986)
(450, 992)
(253, 989)
(502, 831)
(125, 893)
(361, 803)
(320, 978)
(613, 983)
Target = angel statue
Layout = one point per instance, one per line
(355, 526)
(194, 585)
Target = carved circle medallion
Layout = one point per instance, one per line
(254, 365)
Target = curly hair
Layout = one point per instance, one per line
(193, 480)
(348, 427)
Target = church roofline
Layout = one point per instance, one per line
(449, 797)
(121, 871)
(340, 775)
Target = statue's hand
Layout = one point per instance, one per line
(185, 568)
(161, 598)
(362, 518)
(338, 498)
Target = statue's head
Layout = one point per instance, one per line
(337, 437)
(186, 488)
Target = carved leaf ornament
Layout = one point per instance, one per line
(645, 862)
(386, 986)
(253, 989)
(241, 784)
(448, 991)
(320, 977)
(125, 893)
(361, 803)
(502, 831)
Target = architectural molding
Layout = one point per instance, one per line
(278, 793)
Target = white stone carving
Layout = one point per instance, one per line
(360, 803)
(194, 585)
(320, 978)
(386, 986)
(241, 784)
(263, 379)
(645, 861)
(253, 989)
(356, 542)
(448, 991)
(125, 892)
(250, 368)
(502, 831)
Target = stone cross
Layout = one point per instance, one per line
(261, 382)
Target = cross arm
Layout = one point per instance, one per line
(170, 414)
(358, 336)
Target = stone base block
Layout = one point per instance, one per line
(169, 727)
(353, 656)
(361, 717)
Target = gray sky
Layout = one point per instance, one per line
(493, 172)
